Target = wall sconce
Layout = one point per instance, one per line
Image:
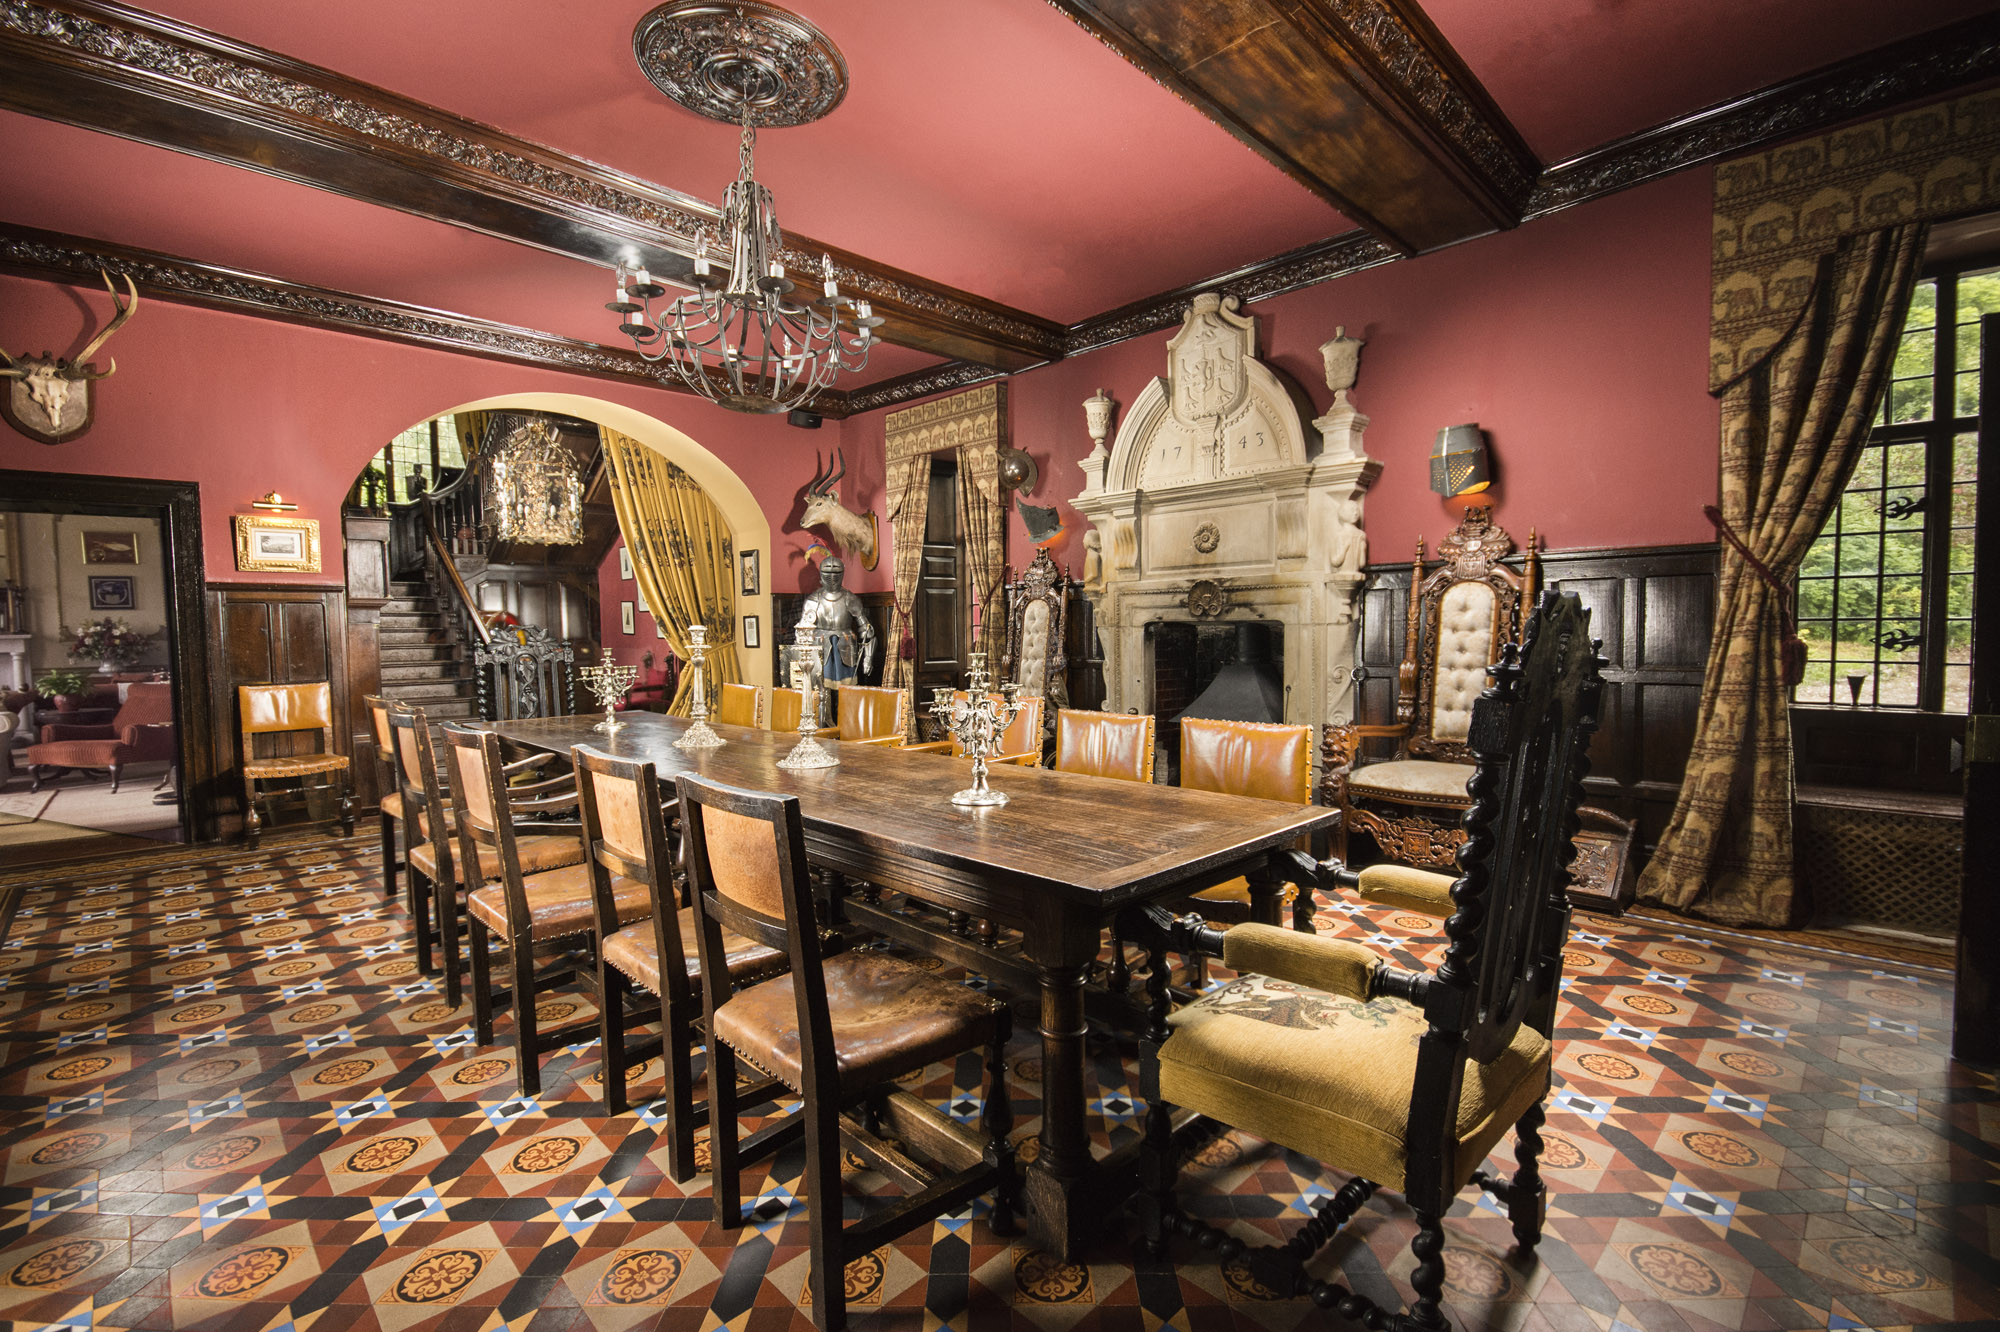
(1460, 467)
(273, 502)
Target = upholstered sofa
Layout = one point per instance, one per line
(142, 730)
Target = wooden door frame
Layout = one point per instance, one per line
(177, 507)
(1975, 1036)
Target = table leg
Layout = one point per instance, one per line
(1063, 1165)
(1265, 886)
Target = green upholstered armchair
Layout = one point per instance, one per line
(1402, 1079)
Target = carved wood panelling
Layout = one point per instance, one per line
(269, 635)
(1654, 610)
(367, 543)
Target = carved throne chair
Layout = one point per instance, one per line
(1460, 613)
(1037, 618)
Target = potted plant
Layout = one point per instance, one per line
(110, 643)
(63, 688)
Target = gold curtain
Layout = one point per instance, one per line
(1793, 425)
(682, 556)
(984, 523)
(909, 485)
(471, 428)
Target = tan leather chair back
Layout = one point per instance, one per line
(621, 822)
(1105, 744)
(469, 781)
(378, 717)
(298, 707)
(1262, 759)
(869, 712)
(740, 705)
(786, 705)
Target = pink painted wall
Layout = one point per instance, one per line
(1579, 342)
(243, 405)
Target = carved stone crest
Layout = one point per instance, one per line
(1206, 359)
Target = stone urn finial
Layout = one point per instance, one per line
(1097, 419)
(1342, 355)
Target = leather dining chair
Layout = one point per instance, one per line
(786, 707)
(839, 1030)
(1105, 744)
(626, 833)
(530, 906)
(873, 714)
(389, 789)
(1268, 761)
(1020, 743)
(740, 705)
(265, 710)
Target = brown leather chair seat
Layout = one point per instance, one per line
(888, 1019)
(635, 951)
(392, 804)
(558, 903)
(538, 854)
(296, 765)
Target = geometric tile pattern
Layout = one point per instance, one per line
(230, 1102)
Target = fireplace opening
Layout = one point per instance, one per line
(1231, 672)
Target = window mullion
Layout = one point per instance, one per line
(1937, 492)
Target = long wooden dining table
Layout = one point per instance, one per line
(1057, 863)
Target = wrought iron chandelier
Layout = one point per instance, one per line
(738, 338)
(534, 487)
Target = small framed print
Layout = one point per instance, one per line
(288, 544)
(625, 621)
(110, 547)
(752, 572)
(112, 592)
(752, 633)
(644, 609)
(625, 564)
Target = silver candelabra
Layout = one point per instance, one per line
(609, 682)
(808, 752)
(699, 735)
(979, 722)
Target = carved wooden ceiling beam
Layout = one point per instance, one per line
(106, 67)
(33, 252)
(1360, 101)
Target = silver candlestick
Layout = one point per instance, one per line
(609, 682)
(699, 735)
(808, 752)
(979, 722)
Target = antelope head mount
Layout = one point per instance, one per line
(853, 532)
(50, 399)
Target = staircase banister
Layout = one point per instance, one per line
(467, 610)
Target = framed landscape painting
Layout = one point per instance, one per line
(287, 544)
(110, 547)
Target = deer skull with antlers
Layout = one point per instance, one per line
(853, 532)
(49, 398)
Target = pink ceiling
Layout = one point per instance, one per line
(1574, 74)
(987, 144)
(113, 189)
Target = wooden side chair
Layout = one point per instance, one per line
(1404, 1080)
(626, 832)
(1269, 761)
(787, 705)
(873, 714)
(838, 1030)
(740, 705)
(435, 884)
(1020, 743)
(1105, 744)
(389, 788)
(530, 906)
(276, 709)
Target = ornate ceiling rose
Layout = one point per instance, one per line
(714, 57)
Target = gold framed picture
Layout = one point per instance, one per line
(110, 547)
(287, 544)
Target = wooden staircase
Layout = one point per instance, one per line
(423, 664)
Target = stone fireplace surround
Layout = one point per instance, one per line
(1213, 505)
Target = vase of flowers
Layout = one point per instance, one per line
(110, 643)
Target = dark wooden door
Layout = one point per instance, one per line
(940, 622)
(1976, 1025)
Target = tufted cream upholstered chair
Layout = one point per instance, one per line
(1459, 615)
(1037, 615)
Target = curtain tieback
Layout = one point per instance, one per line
(1793, 648)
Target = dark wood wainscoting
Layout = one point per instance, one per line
(270, 634)
(1654, 609)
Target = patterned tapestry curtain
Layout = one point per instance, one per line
(1793, 425)
(984, 523)
(909, 506)
(681, 554)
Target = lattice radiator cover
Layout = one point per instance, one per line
(1881, 867)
